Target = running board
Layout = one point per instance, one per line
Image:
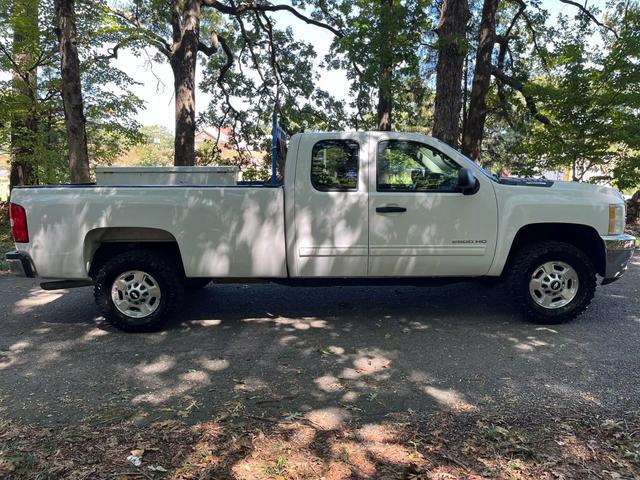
(64, 284)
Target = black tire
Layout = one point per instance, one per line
(195, 284)
(166, 273)
(525, 263)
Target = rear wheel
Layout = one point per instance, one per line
(138, 290)
(551, 282)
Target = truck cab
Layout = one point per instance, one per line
(380, 204)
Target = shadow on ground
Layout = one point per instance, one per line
(318, 360)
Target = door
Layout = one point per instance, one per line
(331, 206)
(419, 225)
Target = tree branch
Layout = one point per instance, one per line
(229, 54)
(154, 39)
(591, 17)
(113, 52)
(518, 86)
(256, 7)
(208, 50)
(16, 68)
(249, 43)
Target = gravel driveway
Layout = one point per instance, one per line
(340, 352)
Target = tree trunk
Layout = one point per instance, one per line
(183, 64)
(72, 92)
(472, 140)
(633, 211)
(451, 30)
(24, 126)
(385, 81)
(385, 99)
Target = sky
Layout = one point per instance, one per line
(156, 80)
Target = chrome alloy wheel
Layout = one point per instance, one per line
(136, 294)
(553, 285)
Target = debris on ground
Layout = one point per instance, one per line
(468, 444)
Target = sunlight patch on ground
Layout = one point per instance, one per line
(163, 364)
(10, 357)
(304, 323)
(206, 323)
(94, 333)
(213, 364)
(328, 383)
(189, 381)
(37, 298)
(546, 329)
(330, 418)
(530, 344)
(350, 397)
(368, 363)
(450, 398)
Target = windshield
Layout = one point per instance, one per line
(489, 174)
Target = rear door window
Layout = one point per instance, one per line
(334, 165)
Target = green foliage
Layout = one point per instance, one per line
(585, 81)
(156, 150)
(258, 172)
(592, 97)
(377, 35)
(270, 67)
(40, 135)
(210, 154)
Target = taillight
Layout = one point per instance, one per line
(18, 217)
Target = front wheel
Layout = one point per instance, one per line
(138, 290)
(552, 282)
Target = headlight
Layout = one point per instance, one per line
(616, 219)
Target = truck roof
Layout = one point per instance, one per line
(362, 135)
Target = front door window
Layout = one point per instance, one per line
(407, 166)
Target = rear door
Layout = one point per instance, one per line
(331, 206)
(419, 224)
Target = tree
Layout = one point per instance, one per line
(24, 67)
(452, 46)
(387, 60)
(71, 89)
(591, 98)
(108, 103)
(150, 22)
(472, 138)
(379, 47)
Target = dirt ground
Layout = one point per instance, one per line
(266, 381)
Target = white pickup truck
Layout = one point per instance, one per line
(355, 208)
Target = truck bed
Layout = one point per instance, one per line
(235, 231)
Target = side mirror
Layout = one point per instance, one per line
(468, 184)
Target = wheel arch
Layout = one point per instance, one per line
(584, 237)
(101, 244)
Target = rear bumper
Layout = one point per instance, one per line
(618, 251)
(20, 264)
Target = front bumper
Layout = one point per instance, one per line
(20, 264)
(618, 251)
